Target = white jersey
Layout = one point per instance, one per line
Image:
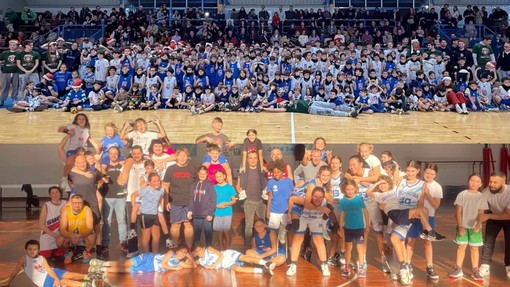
(135, 173)
(436, 191)
(115, 63)
(111, 82)
(143, 63)
(35, 270)
(95, 98)
(271, 71)
(208, 99)
(101, 68)
(335, 187)
(143, 139)
(377, 66)
(165, 165)
(241, 83)
(363, 188)
(388, 199)
(151, 81)
(230, 258)
(168, 87)
(140, 80)
(485, 90)
(409, 194)
(311, 214)
(52, 222)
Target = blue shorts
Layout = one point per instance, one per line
(48, 282)
(143, 263)
(70, 153)
(280, 251)
(417, 228)
(222, 159)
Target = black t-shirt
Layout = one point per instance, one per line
(180, 179)
(113, 187)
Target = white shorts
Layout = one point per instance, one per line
(314, 224)
(276, 220)
(401, 231)
(374, 215)
(48, 242)
(230, 258)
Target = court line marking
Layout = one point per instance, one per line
(350, 281)
(292, 130)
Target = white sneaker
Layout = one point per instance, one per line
(485, 270)
(404, 277)
(292, 270)
(325, 270)
(170, 244)
(264, 195)
(508, 272)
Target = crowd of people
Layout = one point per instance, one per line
(304, 61)
(155, 189)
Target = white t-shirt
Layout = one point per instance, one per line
(143, 139)
(498, 202)
(436, 191)
(133, 183)
(471, 203)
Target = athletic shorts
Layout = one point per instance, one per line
(280, 251)
(222, 223)
(401, 231)
(469, 237)
(143, 263)
(230, 258)
(149, 220)
(417, 227)
(315, 225)
(48, 282)
(277, 219)
(374, 215)
(294, 225)
(355, 235)
(178, 213)
(96, 214)
(399, 216)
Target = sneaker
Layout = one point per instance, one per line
(96, 276)
(361, 273)
(131, 234)
(404, 277)
(410, 269)
(353, 114)
(341, 259)
(292, 270)
(132, 254)
(346, 272)
(332, 261)
(431, 236)
(394, 276)
(507, 268)
(308, 254)
(68, 257)
(431, 273)
(170, 244)
(385, 267)
(90, 284)
(95, 269)
(87, 256)
(77, 256)
(457, 272)
(325, 270)
(485, 270)
(476, 275)
(96, 262)
(270, 267)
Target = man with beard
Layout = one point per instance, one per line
(9, 76)
(27, 62)
(498, 196)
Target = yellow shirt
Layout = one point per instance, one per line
(76, 223)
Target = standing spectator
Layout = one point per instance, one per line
(498, 196)
(28, 16)
(9, 77)
(49, 222)
(482, 52)
(72, 57)
(177, 183)
(503, 62)
(27, 62)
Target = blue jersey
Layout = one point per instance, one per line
(187, 80)
(234, 67)
(125, 81)
(280, 191)
(150, 198)
(61, 79)
(353, 210)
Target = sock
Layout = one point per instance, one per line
(257, 270)
(84, 284)
(430, 265)
(323, 262)
(262, 262)
(87, 277)
(464, 108)
(294, 262)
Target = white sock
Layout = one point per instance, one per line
(257, 270)
(262, 262)
(464, 108)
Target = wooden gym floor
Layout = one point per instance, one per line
(17, 226)
(181, 127)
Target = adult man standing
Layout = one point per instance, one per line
(483, 53)
(85, 182)
(10, 73)
(252, 181)
(115, 200)
(177, 184)
(503, 62)
(498, 196)
(76, 226)
(27, 62)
